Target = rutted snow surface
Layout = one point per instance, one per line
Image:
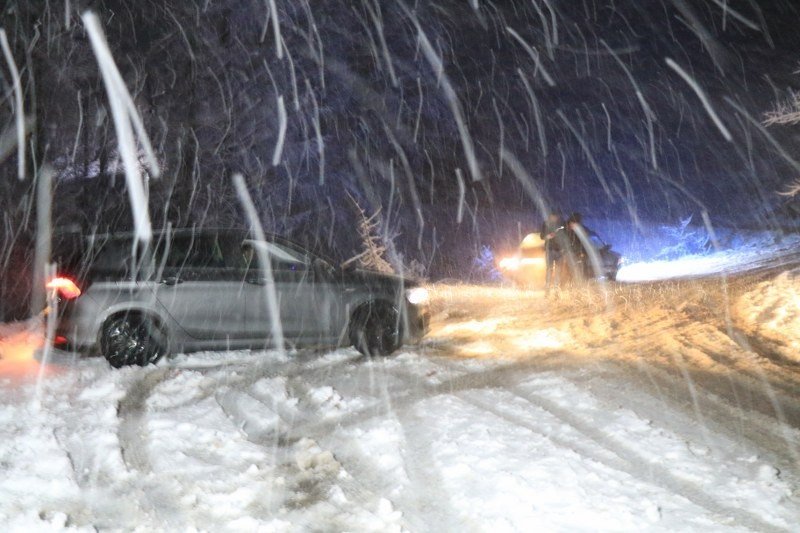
(586, 412)
(772, 312)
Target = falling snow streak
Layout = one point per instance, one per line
(282, 124)
(537, 114)
(587, 151)
(648, 112)
(270, 292)
(124, 114)
(19, 111)
(703, 98)
(452, 100)
(533, 55)
(529, 186)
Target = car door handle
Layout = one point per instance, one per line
(171, 281)
(256, 281)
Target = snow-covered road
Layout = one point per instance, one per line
(664, 406)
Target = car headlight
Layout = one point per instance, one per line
(417, 296)
(509, 263)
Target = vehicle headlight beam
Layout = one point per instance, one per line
(417, 295)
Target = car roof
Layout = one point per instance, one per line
(127, 235)
(73, 237)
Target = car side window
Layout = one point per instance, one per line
(200, 256)
(195, 252)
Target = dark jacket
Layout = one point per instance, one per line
(553, 236)
(575, 245)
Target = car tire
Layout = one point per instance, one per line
(132, 339)
(375, 329)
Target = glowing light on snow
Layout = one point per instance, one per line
(473, 326)
(17, 353)
(687, 267)
(658, 270)
(542, 339)
(479, 348)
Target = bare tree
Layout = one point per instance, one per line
(786, 113)
(373, 254)
(792, 189)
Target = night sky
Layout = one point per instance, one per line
(392, 103)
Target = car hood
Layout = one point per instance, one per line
(378, 278)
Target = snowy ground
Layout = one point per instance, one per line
(658, 406)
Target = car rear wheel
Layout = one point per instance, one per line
(375, 329)
(132, 339)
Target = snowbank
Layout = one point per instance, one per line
(771, 313)
(747, 251)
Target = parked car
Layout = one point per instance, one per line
(609, 260)
(207, 289)
(526, 266)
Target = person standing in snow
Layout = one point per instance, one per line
(578, 237)
(576, 254)
(552, 233)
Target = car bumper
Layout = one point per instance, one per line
(76, 328)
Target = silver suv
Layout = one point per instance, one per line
(207, 289)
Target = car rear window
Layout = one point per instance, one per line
(113, 257)
(98, 258)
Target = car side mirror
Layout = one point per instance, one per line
(321, 266)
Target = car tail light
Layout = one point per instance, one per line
(66, 288)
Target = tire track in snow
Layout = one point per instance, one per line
(619, 455)
(758, 426)
(629, 461)
(133, 438)
(498, 377)
(700, 356)
(364, 483)
(433, 509)
(132, 432)
(691, 358)
(361, 484)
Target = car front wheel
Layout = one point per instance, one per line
(376, 329)
(132, 340)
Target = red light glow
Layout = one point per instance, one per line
(65, 287)
(17, 351)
